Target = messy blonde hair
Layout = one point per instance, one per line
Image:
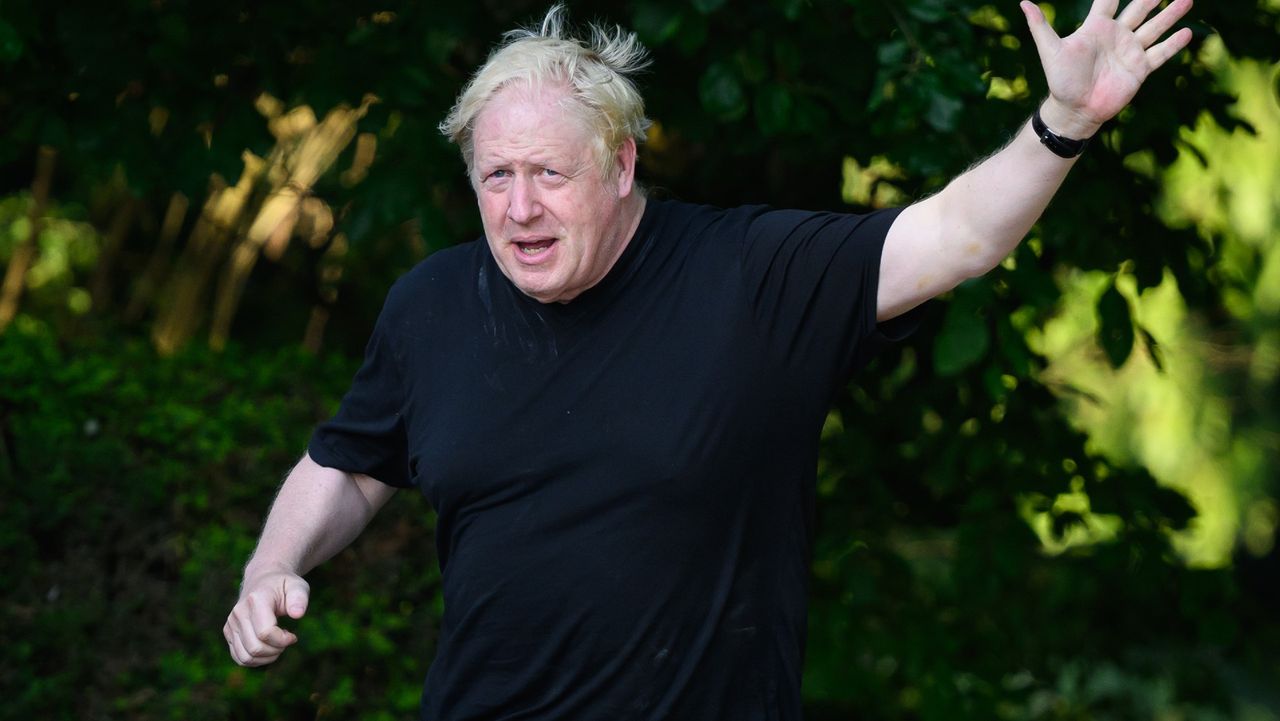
(597, 72)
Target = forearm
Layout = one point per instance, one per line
(972, 224)
(992, 206)
(317, 512)
(978, 219)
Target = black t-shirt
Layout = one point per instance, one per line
(625, 482)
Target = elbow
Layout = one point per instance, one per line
(976, 255)
(971, 249)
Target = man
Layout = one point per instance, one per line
(614, 403)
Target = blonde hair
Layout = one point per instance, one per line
(597, 72)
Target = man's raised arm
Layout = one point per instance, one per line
(317, 512)
(972, 224)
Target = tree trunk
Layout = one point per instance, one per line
(15, 277)
(100, 284)
(153, 275)
(329, 275)
(275, 218)
(313, 337)
(183, 304)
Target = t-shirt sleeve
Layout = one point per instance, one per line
(367, 435)
(813, 280)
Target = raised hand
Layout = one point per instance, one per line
(1095, 71)
(253, 635)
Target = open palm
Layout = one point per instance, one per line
(1095, 71)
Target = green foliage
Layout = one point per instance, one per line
(135, 490)
(68, 249)
(963, 339)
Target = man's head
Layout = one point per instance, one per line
(548, 128)
(597, 71)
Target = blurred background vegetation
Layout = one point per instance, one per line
(1057, 501)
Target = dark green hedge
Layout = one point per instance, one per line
(136, 489)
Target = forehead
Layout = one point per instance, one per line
(524, 119)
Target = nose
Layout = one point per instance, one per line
(523, 206)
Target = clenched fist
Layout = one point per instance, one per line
(252, 633)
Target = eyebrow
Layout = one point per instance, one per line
(565, 165)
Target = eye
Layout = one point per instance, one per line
(550, 173)
(497, 174)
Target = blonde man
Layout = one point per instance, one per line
(613, 403)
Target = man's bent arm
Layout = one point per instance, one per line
(317, 512)
(972, 224)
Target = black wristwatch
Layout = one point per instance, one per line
(1062, 147)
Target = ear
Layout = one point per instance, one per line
(625, 167)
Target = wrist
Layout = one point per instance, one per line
(1067, 122)
(256, 569)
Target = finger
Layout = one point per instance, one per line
(1135, 12)
(256, 652)
(1105, 8)
(1042, 33)
(245, 653)
(238, 651)
(297, 594)
(231, 641)
(1157, 26)
(265, 628)
(243, 628)
(1158, 55)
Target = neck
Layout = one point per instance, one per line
(631, 213)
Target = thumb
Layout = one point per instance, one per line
(296, 595)
(1042, 33)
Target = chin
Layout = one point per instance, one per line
(541, 292)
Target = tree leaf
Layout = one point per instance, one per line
(655, 22)
(721, 92)
(963, 340)
(772, 109)
(892, 53)
(11, 45)
(1153, 348)
(1013, 346)
(944, 111)
(1064, 521)
(1115, 326)
(929, 11)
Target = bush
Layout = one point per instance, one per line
(138, 485)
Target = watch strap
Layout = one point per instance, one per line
(1062, 147)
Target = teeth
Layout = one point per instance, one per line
(531, 251)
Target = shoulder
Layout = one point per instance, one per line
(441, 272)
(434, 282)
(752, 223)
(766, 224)
(707, 223)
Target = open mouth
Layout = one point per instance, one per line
(535, 247)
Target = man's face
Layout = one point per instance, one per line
(554, 224)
